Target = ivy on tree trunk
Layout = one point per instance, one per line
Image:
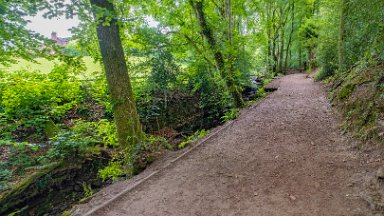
(126, 118)
(226, 73)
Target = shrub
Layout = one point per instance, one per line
(82, 138)
(20, 157)
(141, 156)
(31, 99)
(230, 115)
(69, 145)
(193, 138)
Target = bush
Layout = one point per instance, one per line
(20, 157)
(328, 60)
(230, 115)
(143, 154)
(69, 146)
(193, 138)
(81, 140)
(31, 99)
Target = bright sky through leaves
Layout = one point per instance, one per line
(61, 25)
(44, 26)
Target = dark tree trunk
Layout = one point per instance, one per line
(218, 56)
(127, 121)
(275, 55)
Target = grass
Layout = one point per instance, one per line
(45, 66)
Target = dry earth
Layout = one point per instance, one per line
(283, 156)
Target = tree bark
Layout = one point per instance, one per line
(269, 38)
(126, 118)
(290, 36)
(281, 49)
(342, 34)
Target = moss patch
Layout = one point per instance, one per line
(346, 91)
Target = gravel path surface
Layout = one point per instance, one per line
(285, 156)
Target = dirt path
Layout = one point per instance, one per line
(284, 157)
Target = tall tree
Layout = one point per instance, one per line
(225, 71)
(127, 122)
(342, 33)
(288, 50)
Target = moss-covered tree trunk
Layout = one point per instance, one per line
(218, 55)
(126, 118)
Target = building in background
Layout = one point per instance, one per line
(60, 41)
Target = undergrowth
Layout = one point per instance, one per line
(359, 94)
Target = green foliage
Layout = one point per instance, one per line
(32, 99)
(106, 133)
(261, 92)
(113, 171)
(327, 52)
(349, 53)
(17, 41)
(81, 140)
(358, 94)
(87, 188)
(309, 32)
(346, 91)
(193, 138)
(230, 115)
(351, 30)
(326, 71)
(69, 146)
(19, 160)
(5, 175)
(67, 112)
(143, 154)
(73, 50)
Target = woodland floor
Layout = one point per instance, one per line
(283, 156)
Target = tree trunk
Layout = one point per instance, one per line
(269, 38)
(342, 34)
(290, 36)
(218, 56)
(275, 58)
(229, 16)
(126, 118)
(281, 49)
(300, 52)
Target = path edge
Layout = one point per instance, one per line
(184, 154)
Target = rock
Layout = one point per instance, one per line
(256, 194)
(293, 198)
(78, 188)
(380, 173)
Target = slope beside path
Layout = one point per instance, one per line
(285, 156)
